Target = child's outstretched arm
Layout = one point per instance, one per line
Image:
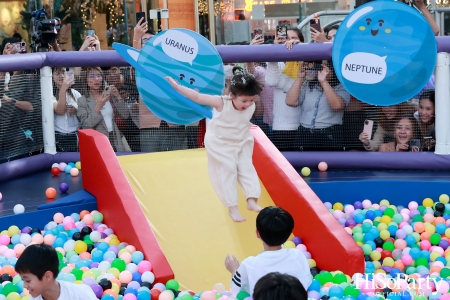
(214, 101)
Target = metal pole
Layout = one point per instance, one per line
(196, 16)
(442, 111)
(48, 117)
(212, 22)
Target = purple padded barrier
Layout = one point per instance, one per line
(370, 160)
(33, 164)
(238, 53)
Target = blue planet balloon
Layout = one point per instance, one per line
(384, 52)
(188, 58)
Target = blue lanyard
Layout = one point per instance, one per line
(316, 109)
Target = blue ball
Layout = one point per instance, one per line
(67, 169)
(15, 239)
(137, 277)
(76, 217)
(378, 213)
(405, 295)
(107, 297)
(410, 240)
(103, 247)
(362, 297)
(370, 214)
(97, 256)
(315, 286)
(143, 295)
(131, 290)
(359, 218)
(137, 257)
(336, 291)
(440, 228)
(426, 254)
(415, 253)
(58, 243)
(71, 164)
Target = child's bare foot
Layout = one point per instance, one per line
(234, 213)
(252, 205)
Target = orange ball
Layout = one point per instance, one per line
(8, 270)
(399, 265)
(83, 213)
(425, 236)
(110, 292)
(50, 193)
(439, 220)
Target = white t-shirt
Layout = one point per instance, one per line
(285, 261)
(66, 123)
(72, 291)
(107, 113)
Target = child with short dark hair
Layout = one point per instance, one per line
(279, 286)
(39, 266)
(274, 225)
(229, 143)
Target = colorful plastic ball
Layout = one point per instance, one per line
(50, 193)
(19, 209)
(119, 264)
(63, 187)
(427, 202)
(137, 257)
(444, 198)
(172, 284)
(1, 196)
(323, 166)
(306, 171)
(67, 169)
(55, 171)
(144, 266)
(97, 217)
(207, 295)
(74, 172)
(78, 165)
(62, 166)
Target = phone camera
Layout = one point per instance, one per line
(366, 122)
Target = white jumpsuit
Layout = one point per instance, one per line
(229, 146)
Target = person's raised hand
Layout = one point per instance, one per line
(318, 36)
(257, 40)
(322, 75)
(231, 263)
(140, 29)
(290, 43)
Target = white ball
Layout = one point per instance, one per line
(104, 266)
(132, 267)
(55, 165)
(69, 245)
(25, 239)
(95, 236)
(148, 276)
(19, 209)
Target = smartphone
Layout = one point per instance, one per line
(315, 23)
(140, 15)
(282, 32)
(257, 31)
(90, 32)
(69, 73)
(414, 145)
(368, 127)
(20, 47)
(107, 90)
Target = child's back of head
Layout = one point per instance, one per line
(274, 225)
(37, 260)
(279, 286)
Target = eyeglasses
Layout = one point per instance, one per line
(92, 76)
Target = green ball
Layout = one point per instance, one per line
(16, 279)
(421, 209)
(389, 212)
(62, 265)
(9, 288)
(98, 217)
(435, 238)
(339, 278)
(326, 277)
(242, 295)
(357, 229)
(367, 249)
(389, 246)
(187, 297)
(78, 273)
(351, 291)
(358, 237)
(445, 272)
(60, 256)
(172, 284)
(121, 265)
(366, 226)
(398, 218)
(420, 298)
(417, 218)
(422, 261)
(410, 270)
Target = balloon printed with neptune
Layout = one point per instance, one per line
(391, 46)
(190, 59)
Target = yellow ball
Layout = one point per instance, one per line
(359, 243)
(115, 288)
(430, 228)
(384, 202)
(434, 255)
(377, 219)
(13, 296)
(13, 230)
(306, 171)
(289, 244)
(114, 242)
(88, 274)
(382, 226)
(427, 202)
(388, 261)
(312, 263)
(384, 234)
(338, 206)
(444, 198)
(386, 220)
(381, 271)
(114, 272)
(376, 264)
(80, 247)
(4, 232)
(121, 251)
(375, 255)
(113, 236)
(447, 232)
(78, 282)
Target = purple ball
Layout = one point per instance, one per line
(109, 260)
(26, 230)
(160, 286)
(63, 187)
(307, 254)
(226, 293)
(314, 294)
(297, 240)
(134, 284)
(350, 222)
(103, 235)
(108, 231)
(89, 281)
(94, 265)
(358, 205)
(413, 213)
(382, 208)
(387, 269)
(114, 249)
(341, 221)
(444, 244)
(98, 291)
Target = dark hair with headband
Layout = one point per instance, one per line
(244, 84)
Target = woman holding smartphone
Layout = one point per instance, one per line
(96, 110)
(65, 107)
(404, 134)
(426, 117)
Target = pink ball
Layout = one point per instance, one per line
(58, 218)
(400, 244)
(3, 249)
(126, 257)
(349, 209)
(445, 296)
(406, 260)
(69, 226)
(74, 172)
(19, 248)
(144, 266)
(130, 248)
(125, 277)
(323, 166)
(425, 245)
(4, 240)
(88, 220)
(131, 296)
(301, 247)
(428, 218)
(366, 203)
(443, 287)
(338, 214)
(37, 238)
(208, 295)
(10, 253)
(67, 220)
(413, 205)
(1, 196)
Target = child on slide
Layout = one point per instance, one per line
(228, 142)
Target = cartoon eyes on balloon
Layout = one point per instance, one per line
(191, 80)
(374, 32)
